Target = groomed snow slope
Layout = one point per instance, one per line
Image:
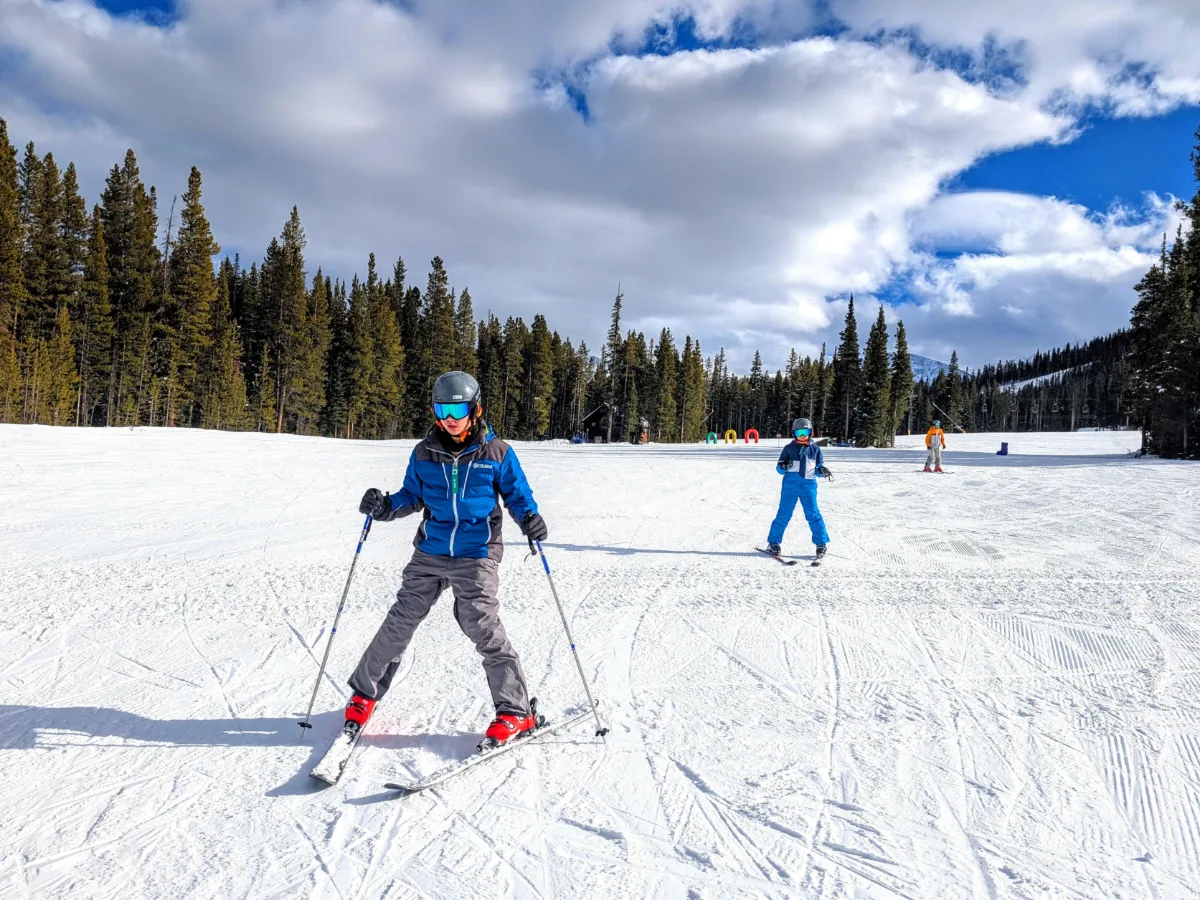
(992, 688)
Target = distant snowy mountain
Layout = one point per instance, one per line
(926, 369)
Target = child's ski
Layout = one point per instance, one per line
(777, 557)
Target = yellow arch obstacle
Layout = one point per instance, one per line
(731, 436)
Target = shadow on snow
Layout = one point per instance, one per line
(40, 728)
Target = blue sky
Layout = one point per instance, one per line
(996, 177)
(160, 10)
(1112, 161)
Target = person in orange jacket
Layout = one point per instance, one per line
(935, 441)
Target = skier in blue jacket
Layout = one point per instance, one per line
(800, 463)
(456, 478)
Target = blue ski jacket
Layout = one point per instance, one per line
(800, 461)
(459, 494)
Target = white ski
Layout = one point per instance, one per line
(480, 756)
(330, 767)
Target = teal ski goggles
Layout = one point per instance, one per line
(802, 432)
(451, 410)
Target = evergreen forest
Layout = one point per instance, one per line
(117, 316)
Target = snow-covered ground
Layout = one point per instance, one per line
(992, 688)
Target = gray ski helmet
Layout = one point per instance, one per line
(802, 423)
(456, 387)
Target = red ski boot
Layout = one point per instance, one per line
(505, 727)
(927, 469)
(359, 709)
(938, 469)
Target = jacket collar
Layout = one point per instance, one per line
(483, 434)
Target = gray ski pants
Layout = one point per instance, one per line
(935, 455)
(475, 583)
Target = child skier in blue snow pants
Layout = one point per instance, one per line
(800, 463)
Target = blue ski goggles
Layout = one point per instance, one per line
(451, 410)
(802, 432)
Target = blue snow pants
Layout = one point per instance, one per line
(805, 490)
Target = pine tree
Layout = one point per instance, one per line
(666, 376)
(298, 395)
(335, 415)
(193, 291)
(490, 353)
(130, 223)
(693, 391)
(385, 409)
(539, 381)
(610, 367)
(223, 401)
(265, 414)
(61, 398)
(875, 398)
(515, 341)
(48, 277)
(360, 356)
(94, 326)
(75, 228)
(12, 281)
(443, 339)
(847, 375)
(464, 328)
(902, 385)
(31, 184)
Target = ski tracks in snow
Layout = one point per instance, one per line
(986, 691)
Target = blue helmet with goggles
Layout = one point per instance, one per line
(802, 428)
(456, 396)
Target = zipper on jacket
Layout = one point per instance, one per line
(454, 501)
(452, 487)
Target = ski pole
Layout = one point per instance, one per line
(601, 731)
(329, 643)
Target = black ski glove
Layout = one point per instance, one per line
(375, 503)
(824, 472)
(534, 527)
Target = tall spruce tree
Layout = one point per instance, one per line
(193, 292)
(360, 356)
(847, 376)
(902, 384)
(386, 412)
(93, 325)
(313, 357)
(666, 363)
(490, 354)
(130, 220)
(12, 280)
(693, 392)
(464, 329)
(285, 296)
(875, 398)
(335, 414)
(610, 368)
(223, 400)
(515, 342)
(539, 382)
(442, 337)
(48, 268)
